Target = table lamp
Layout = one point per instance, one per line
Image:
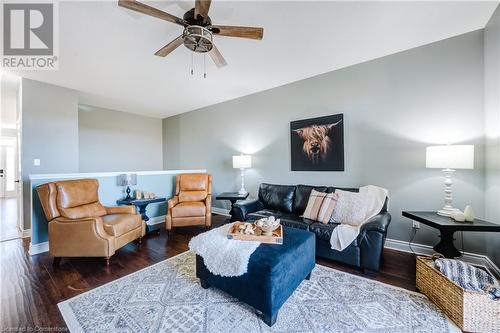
(127, 180)
(449, 158)
(242, 162)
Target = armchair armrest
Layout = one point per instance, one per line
(242, 208)
(128, 209)
(84, 237)
(208, 203)
(172, 202)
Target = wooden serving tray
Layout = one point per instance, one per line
(276, 238)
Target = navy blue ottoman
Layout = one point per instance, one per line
(274, 272)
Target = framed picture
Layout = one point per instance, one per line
(317, 144)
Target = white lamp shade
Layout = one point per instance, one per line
(450, 157)
(242, 161)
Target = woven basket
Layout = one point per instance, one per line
(471, 311)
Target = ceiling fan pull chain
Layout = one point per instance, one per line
(192, 71)
(204, 65)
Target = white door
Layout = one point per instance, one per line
(8, 168)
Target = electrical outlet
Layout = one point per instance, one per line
(36, 162)
(416, 225)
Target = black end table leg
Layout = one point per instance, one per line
(142, 211)
(269, 319)
(204, 284)
(232, 210)
(308, 277)
(446, 246)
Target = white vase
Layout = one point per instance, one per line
(469, 214)
(458, 216)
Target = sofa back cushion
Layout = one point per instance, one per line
(277, 197)
(332, 189)
(302, 193)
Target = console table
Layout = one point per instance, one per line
(447, 227)
(232, 197)
(141, 204)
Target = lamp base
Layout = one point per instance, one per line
(446, 211)
(242, 192)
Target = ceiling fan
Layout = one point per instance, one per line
(198, 29)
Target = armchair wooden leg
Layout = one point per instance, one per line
(57, 261)
(107, 261)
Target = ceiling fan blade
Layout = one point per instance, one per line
(164, 51)
(151, 11)
(217, 57)
(201, 8)
(242, 32)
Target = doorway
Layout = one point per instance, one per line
(11, 226)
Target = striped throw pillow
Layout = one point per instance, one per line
(327, 207)
(314, 205)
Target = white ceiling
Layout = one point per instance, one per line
(106, 52)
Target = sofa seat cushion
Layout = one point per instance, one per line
(119, 224)
(264, 213)
(189, 209)
(295, 221)
(324, 231)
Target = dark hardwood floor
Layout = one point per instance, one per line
(31, 287)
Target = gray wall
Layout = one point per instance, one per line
(492, 127)
(49, 133)
(393, 108)
(118, 141)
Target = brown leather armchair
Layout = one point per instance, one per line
(80, 226)
(192, 202)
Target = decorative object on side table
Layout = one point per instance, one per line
(141, 204)
(448, 227)
(127, 179)
(449, 158)
(242, 162)
(232, 197)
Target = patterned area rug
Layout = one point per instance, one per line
(167, 297)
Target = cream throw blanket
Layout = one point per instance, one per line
(222, 256)
(352, 211)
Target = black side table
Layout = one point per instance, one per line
(232, 197)
(447, 227)
(141, 204)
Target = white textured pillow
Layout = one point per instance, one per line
(350, 209)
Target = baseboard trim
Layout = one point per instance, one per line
(426, 250)
(38, 248)
(221, 211)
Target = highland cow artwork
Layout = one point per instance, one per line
(317, 144)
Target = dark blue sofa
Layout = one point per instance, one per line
(288, 203)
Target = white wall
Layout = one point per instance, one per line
(49, 133)
(492, 126)
(393, 108)
(115, 141)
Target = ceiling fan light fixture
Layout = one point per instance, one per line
(198, 39)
